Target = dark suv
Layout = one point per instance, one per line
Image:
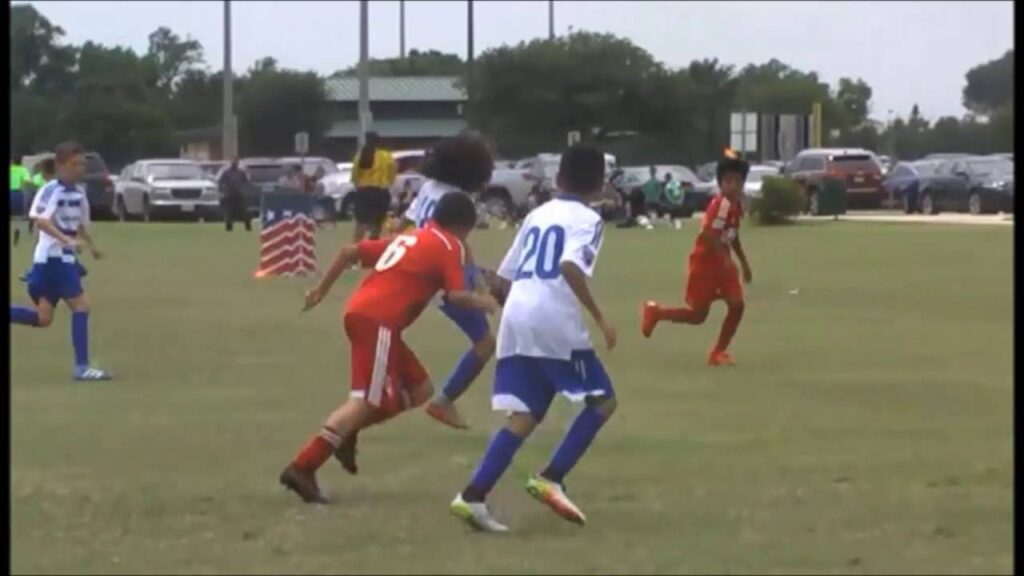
(859, 170)
(264, 176)
(99, 188)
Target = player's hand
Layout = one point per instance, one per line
(74, 244)
(313, 297)
(97, 254)
(748, 275)
(610, 336)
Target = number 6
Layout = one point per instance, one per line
(394, 252)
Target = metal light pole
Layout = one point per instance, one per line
(469, 51)
(229, 135)
(401, 28)
(551, 19)
(364, 70)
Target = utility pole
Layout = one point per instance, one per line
(401, 29)
(469, 52)
(551, 19)
(364, 70)
(229, 133)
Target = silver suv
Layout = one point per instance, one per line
(151, 188)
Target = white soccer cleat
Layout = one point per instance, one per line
(476, 515)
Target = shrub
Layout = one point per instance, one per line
(781, 200)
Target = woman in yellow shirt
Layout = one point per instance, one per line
(373, 173)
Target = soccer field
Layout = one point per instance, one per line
(867, 428)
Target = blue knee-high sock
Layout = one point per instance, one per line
(80, 337)
(468, 368)
(502, 449)
(24, 315)
(574, 444)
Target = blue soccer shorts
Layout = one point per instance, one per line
(529, 384)
(473, 323)
(54, 280)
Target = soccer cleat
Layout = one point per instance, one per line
(302, 483)
(85, 373)
(476, 515)
(720, 358)
(346, 454)
(553, 495)
(648, 318)
(446, 414)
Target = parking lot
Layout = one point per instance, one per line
(901, 218)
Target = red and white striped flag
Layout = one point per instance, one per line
(288, 236)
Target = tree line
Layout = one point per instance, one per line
(525, 97)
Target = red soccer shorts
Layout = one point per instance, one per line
(384, 369)
(705, 284)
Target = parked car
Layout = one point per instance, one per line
(975, 184)
(264, 175)
(509, 188)
(694, 200)
(859, 169)
(213, 167)
(903, 183)
(945, 156)
(99, 188)
(755, 179)
(162, 187)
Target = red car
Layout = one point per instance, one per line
(860, 170)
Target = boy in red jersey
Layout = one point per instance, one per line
(387, 378)
(713, 275)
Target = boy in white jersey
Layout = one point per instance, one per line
(61, 212)
(543, 344)
(461, 163)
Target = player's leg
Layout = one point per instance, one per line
(380, 201)
(473, 324)
(522, 390)
(700, 293)
(79, 305)
(17, 212)
(39, 316)
(408, 387)
(581, 377)
(732, 293)
(42, 291)
(300, 475)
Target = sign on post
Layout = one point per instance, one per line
(575, 137)
(302, 143)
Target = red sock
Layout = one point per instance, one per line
(729, 326)
(317, 450)
(680, 315)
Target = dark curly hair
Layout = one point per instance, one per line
(462, 161)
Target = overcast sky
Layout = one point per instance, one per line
(909, 52)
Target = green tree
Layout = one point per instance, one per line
(416, 63)
(275, 104)
(990, 85)
(172, 57)
(854, 99)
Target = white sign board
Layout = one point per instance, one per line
(574, 137)
(302, 143)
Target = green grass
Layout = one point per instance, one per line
(868, 428)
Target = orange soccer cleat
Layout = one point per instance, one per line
(648, 318)
(720, 358)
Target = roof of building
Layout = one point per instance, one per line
(398, 89)
(401, 128)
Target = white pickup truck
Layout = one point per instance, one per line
(509, 188)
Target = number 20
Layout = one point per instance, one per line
(394, 252)
(543, 253)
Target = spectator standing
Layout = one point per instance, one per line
(292, 179)
(652, 192)
(373, 173)
(232, 196)
(672, 207)
(20, 182)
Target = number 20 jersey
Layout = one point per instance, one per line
(408, 271)
(542, 317)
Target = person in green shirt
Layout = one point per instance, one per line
(20, 181)
(652, 192)
(673, 204)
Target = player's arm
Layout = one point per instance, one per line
(365, 253)
(83, 233)
(455, 287)
(582, 247)
(409, 218)
(737, 247)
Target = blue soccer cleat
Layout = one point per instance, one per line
(85, 373)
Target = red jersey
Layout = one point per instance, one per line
(408, 270)
(721, 221)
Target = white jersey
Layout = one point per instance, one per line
(422, 207)
(68, 208)
(542, 317)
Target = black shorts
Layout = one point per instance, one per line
(371, 205)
